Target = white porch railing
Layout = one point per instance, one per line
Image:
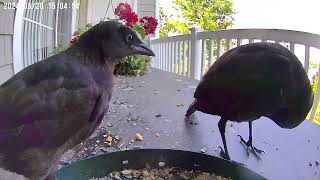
(191, 55)
(38, 30)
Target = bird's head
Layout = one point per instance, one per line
(294, 114)
(112, 40)
(285, 119)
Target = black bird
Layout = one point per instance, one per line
(53, 105)
(254, 80)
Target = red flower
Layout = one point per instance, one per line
(124, 12)
(131, 18)
(73, 41)
(149, 24)
(75, 38)
(122, 9)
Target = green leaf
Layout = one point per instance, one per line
(140, 31)
(133, 65)
(210, 15)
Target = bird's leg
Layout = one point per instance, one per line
(249, 142)
(222, 129)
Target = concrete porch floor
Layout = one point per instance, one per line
(136, 102)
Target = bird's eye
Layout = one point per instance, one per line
(129, 38)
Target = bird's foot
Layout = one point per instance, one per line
(249, 144)
(189, 118)
(224, 154)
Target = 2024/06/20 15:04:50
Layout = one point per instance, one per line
(41, 5)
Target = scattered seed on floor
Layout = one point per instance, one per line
(109, 139)
(161, 164)
(103, 149)
(139, 137)
(120, 145)
(125, 162)
(116, 137)
(203, 150)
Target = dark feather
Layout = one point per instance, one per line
(251, 81)
(53, 105)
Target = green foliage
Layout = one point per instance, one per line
(133, 65)
(86, 28)
(210, 15)
(62, 47)
(58, 49)
(314, 85)
(313, 65)
(168, 25)
(140, 31)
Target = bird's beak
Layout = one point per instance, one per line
(143, 50)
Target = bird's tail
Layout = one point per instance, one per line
(192, 108)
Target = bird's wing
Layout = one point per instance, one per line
(245, 71)
(48, 103)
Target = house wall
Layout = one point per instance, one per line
(149, 8)
(146, 7)
(6, 39)
(82, 14)
(97, 9)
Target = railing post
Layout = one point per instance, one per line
(149, 42)
(195, 59)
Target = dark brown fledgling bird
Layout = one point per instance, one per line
(53, 105)
(254, 80)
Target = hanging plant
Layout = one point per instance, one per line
(137, 64)
(145, 26)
